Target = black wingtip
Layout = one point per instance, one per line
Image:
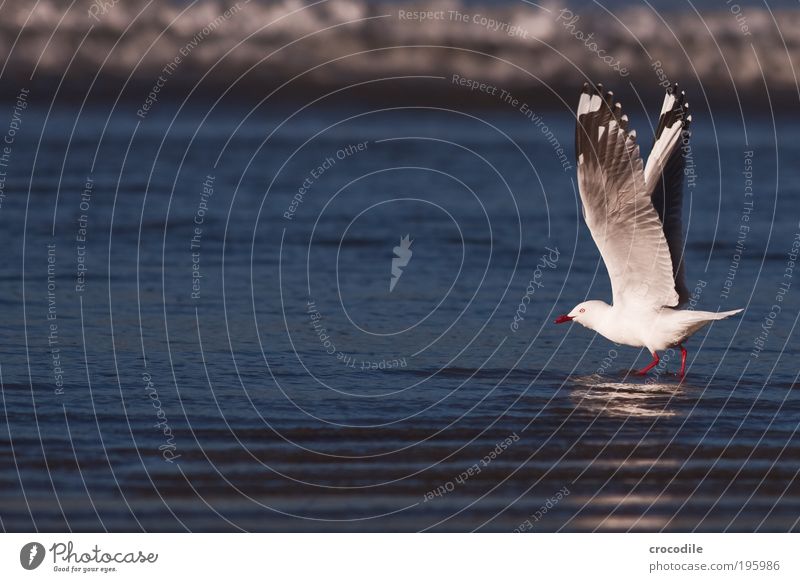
(678, 112)
(592, 89)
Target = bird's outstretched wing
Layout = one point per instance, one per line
(664, 170)
(617, 204)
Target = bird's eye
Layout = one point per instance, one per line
(581, 310)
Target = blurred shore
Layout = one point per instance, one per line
(108, 48)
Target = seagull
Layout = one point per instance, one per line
(633, 211)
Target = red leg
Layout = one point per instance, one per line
(649, 366)
(683, 362)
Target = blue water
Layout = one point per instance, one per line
(295, 391)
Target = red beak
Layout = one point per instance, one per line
(563, 319)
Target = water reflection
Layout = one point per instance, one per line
(653, 397)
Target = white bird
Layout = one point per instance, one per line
(634, 214)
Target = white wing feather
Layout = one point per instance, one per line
(617, 206)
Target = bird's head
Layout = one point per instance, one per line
(587, 313)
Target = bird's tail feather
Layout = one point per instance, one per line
(695, 320)
(725, 314)
(691, 315)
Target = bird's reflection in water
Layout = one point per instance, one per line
(627, 396)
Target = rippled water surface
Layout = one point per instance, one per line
(232, 356)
